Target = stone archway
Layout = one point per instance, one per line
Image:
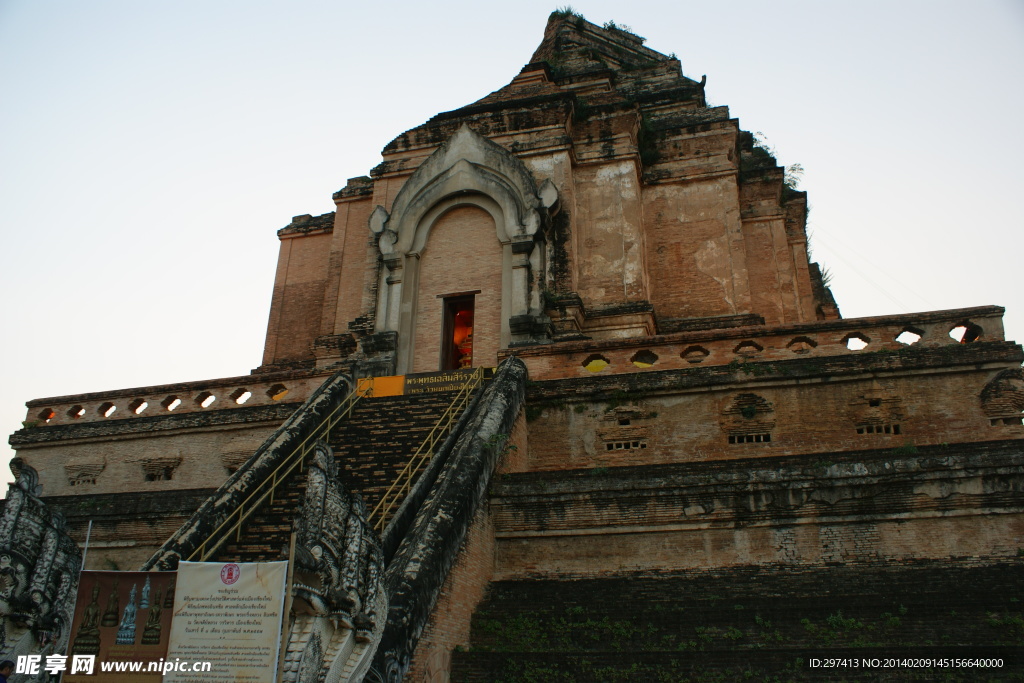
(466, 171)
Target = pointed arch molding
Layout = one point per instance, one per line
(466, 170)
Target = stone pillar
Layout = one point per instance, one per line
(393, 299)
(522, 247)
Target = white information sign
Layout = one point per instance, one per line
(228, 614)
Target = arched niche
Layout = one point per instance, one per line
(467, 170)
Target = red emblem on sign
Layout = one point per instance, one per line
(229, 573)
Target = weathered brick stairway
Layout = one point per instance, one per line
(371, 448)
(749, 624)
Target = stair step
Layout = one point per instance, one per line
(745, 624)
(371, 447)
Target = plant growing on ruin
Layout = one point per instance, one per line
(567, 11)
(794, 173)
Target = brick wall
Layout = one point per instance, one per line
(298, 299)
(695, 255)
(353, 253)
(462, 254)
(198, 457)
(462, 592)
(692, 425)
(127, 528)
(609, 235)
(959, 501)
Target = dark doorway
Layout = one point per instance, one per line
(457, 342)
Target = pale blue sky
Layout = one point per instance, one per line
(149, 151)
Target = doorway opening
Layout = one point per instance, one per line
(457, 342)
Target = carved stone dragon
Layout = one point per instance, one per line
(339, 603)
(39, 568)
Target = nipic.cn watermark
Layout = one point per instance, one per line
(86, 664)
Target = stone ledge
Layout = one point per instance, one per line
(817, 489)
(122, 506)
(812, 466)
(158, 423)
(827, 368)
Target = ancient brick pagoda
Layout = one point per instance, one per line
(686, 462)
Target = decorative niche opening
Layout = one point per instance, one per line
(1002, 399)
(277, 392)
(748, 418)
(694, 354)
(84, 471)
(644, 359)
(801, 345)
(625, 428)
(159, 469)
(595, 363)
(748, 348)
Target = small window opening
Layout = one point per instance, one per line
(874, 402)
(277, 392)
(595, 363)
(965, 333)
(205, 399)
(801, 345)
(750, 438)
(107, 409)
(76, 412)
(856, 341)
(694, 354)
(644, 359)
(909, 336)
(240, 396)
(47, 414)
(625, 445)
(879, 429)
(748, 348)
(170, 403)
(457, 328)
(138, 406)
(161, 474)
(624, 421)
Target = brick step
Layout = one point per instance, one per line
(371, 447)
(377, 442)
(267, 533)
(707, 624)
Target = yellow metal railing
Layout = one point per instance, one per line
(264, 492)
(403, 482)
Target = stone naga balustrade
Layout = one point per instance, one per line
(763, 343)
(174, 399)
